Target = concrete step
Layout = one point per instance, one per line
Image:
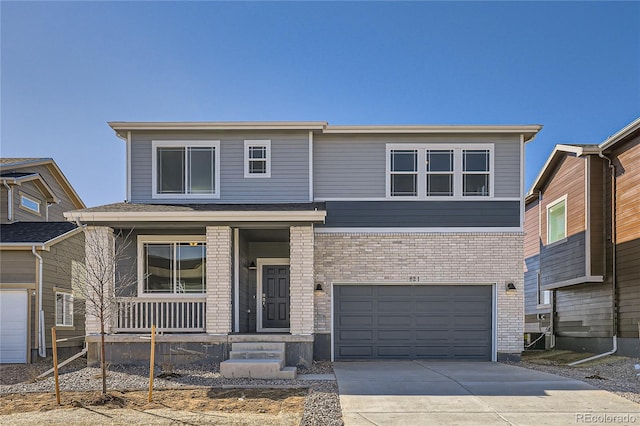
(256, 369)
(234, 354)
(257, 346)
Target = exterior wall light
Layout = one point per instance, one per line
(511, 286)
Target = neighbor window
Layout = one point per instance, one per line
(64, 309)
(430, 171)
(173, 267)
(557, 220)
(257, 159)
(29, 203)
(186, 169)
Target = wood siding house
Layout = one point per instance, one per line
(40, 256)
(582, 267)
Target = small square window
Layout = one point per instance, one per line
(257, 159)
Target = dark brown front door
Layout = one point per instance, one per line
(275, 296)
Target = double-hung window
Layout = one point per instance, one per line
(257, 158)
(186, 169)
(557, 220)
(439, 171)
(64, 309)
(172, 265)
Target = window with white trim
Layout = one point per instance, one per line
(557, 220)
(439, 171)
(64, 309)
(186, 169)
(172, 265)
(29, 203)
(257, 158)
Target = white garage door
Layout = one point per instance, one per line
(13, 326)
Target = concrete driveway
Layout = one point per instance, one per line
(471, 393)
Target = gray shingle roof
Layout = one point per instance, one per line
(33, 232)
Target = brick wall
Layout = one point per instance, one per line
(432, 258)
(301, 279)
(218, 280)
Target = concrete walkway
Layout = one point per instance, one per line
(471, 393)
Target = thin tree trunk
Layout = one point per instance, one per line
(103, 364)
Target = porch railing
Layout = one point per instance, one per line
(178, 315)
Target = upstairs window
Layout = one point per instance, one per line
(172, 267)
(557, 220)
(29, 203)
(186, 169)
(257, 158)
(430, 171)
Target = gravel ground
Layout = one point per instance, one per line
(613, 374)
(322, 406)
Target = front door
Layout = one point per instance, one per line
(275, 297)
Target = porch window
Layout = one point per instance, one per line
(174, 267)
(64, 309)
(186, 169)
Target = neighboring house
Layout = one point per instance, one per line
(582, 269)
(39, 249)
(340, 242)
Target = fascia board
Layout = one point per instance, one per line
(227, 216)
(620, 135)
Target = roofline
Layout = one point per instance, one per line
(621, 134)
(529, 130)
(190, 216)
(565, 148)
(34, 162)
(40, 245)
(32, 177)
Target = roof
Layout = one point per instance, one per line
(17, 178)
(123, 127)
(9, 165)
(621, 135)
(31, 233)
(194, 212)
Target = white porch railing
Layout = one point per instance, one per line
(136, 314)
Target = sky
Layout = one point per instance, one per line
(67, 68)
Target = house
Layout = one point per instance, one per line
(38, 251)
(582, 247)
(334, 242)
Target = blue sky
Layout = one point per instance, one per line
(69, 67)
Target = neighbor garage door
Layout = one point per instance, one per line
(13, 326)
(412, 322)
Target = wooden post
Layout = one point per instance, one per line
(54, 344)
(152, 362)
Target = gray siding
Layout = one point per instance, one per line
(584, 311)
(563, 261)
(17, 267)
(289, 181)
(21, 214)
(531, 284)
(355, 166)
(422, 214)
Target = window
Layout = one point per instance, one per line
(186, 169)
(557, 220)
(430, 171)
(172, 267)
(404, 173)
(257, 159)
(29, 203)
(64, 309)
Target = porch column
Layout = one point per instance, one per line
(98, 287)
(301, 279)
(218, 280)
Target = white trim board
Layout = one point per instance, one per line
(260, 262)
(408, 230)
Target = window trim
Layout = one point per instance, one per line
(166, 239)
(24, 196)
(266, 143)
(549, 206)
(457, 149)
(184, 144)
(64, 294)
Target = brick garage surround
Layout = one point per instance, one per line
(433, 257)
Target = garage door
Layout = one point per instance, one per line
(13, 326)
(413, 322)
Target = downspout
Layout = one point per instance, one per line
(9, 201)
(42, 349)
(614, 305)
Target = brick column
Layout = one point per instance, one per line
(100, 264)
(301, 279)
(218, 280)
